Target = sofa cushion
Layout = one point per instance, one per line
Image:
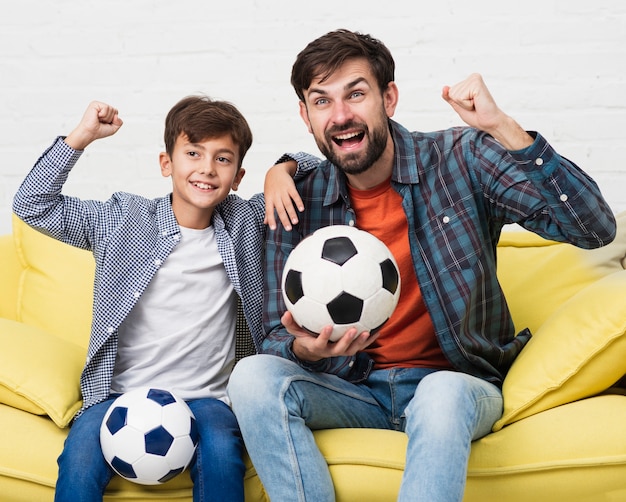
(578, 351)
(39, 372)
(537, 275)
(56, 285)
(569, 453)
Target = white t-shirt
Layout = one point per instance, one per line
(180, 335)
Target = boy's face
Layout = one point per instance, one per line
(202, 176)
(347, 115)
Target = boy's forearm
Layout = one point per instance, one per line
(78, 140)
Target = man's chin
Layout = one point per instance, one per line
(350, 163)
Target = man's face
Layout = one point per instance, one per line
(347, 115)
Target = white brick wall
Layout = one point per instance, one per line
(556, 66)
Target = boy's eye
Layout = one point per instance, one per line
(193, 154)
(223, 159)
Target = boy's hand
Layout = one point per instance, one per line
(99, 121)
(281, 196)
(308, 347)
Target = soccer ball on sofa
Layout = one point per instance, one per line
(341, 276)
(148, 436)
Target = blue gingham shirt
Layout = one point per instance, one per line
(458, 188)
(130, 237)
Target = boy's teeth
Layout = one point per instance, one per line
(204, 186)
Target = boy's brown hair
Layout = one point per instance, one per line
(200, 118)
(327, 53)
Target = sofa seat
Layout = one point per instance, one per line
(561, 436)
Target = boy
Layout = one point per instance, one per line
(168, 274)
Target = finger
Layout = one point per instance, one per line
(287, 212)
(269, 219)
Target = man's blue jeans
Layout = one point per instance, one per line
(278, 403)
(217, 471)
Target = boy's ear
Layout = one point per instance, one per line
(238, 176)
(166, 164)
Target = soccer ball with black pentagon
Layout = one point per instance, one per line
(148, 436)
(341, 276)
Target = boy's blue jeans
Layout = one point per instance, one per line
(217, 471)
(278, 403)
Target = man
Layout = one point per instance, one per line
(439, 201)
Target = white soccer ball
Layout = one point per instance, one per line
(148, 436)
(341, 276)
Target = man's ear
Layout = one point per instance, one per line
(304, 113)
(166, 164)
(238, 176)
(390, 98)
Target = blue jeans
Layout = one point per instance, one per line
(278, 404)
(217, 469)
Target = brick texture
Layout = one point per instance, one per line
(556, 66)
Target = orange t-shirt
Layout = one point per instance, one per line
(408, 338)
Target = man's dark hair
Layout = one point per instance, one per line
(324, 55)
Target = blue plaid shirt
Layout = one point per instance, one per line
(458, 187)
(130, 237)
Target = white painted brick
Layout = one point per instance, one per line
(556, 66)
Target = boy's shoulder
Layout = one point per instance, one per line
(235, 210)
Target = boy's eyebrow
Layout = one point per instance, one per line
(200, 146)
(348, 86)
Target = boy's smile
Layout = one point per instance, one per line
(203, 174)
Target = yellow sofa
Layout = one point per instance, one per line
(562, 435)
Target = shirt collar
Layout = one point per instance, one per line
(165, 217)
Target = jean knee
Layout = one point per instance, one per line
(447, 399)
(255, 377)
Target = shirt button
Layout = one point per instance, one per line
(110, 330)
(136, 294)
(177, 238)
(351, 223)
(539, 162)
(157, 262)
(563, 197)
(446, 219)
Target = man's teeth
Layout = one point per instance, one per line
(348, 135)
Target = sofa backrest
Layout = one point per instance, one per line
(55, 284)
(538, 275)
(9, 276)
(53, 289)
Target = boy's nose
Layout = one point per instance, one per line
(206, 168)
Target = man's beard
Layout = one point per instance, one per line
(356, 163)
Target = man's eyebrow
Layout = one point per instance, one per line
(348, 86)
